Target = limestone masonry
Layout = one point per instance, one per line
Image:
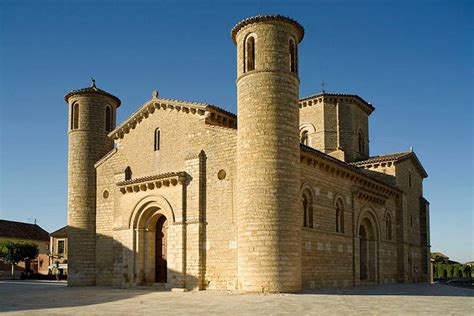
(291, 199)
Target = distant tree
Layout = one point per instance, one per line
(437, 258)
(14, 252)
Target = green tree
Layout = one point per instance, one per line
(14, 252)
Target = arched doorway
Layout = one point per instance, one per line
(156, 259)
(367, 251)
(161, 247)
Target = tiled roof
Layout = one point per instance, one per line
(347, 166)
(62, 232)
(382, 158)
(263, 18)
(91, 90)
(395, 157)
(22, 231)
(342, 95)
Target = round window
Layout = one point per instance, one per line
(221, 174)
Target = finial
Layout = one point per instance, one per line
(93, 83)
(155, 94)
(322, 86)
(411, 148)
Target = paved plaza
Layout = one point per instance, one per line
(55, 298)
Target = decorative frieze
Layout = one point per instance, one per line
(339, 169)
(152, 182)
(336, 98)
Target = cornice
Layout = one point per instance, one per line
(266, 18)
(320, 98)
(316, 159)
(212, 114)
(152, 182)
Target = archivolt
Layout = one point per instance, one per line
(147, 203)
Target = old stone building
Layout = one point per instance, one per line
(281, 197)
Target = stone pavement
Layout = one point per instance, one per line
(54, 298)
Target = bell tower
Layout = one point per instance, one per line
(91, 118)
(268, 154)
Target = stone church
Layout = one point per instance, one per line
(281, 197)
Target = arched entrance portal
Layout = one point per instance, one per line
(368, 251)
(161, 241)
(154, 260)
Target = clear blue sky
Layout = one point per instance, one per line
(412, 59)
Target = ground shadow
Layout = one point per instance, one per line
(118, 283)
(399, 289)
(23, 295)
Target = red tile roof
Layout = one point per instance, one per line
(22, 231)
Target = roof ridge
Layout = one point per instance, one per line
(201, 106)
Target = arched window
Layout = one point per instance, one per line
(157, 139)
(293, 56)
(75, 116)
(249, 54)
(128, 173)
(108, 118)
(307, 209)
(304, 138)
(388, 226)
(409, 178)
(361, 143)
(339, 216)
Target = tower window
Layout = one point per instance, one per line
(75, 116)
(339, 216)
(304, 138)
(249, 54)
(409, 179)
(108, 118)
(157, 139)
(307, 209)
(293, 56)
(361, 143)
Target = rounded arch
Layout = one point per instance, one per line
(307, 187)
(369, 215)
(388, 218)
(108, 118)
(148, 209)
(249, 52)
(339, 207)
(293, 54)
(307, 200)
(310, 128)
(339, 197)
(305, 130)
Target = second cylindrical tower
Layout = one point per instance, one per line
(91, 118)
(268, 154)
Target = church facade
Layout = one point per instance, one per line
(280, 197)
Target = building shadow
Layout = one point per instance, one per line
(399, 289)
(28, 295)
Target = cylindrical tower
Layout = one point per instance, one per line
(91, 118)
(268, 154)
